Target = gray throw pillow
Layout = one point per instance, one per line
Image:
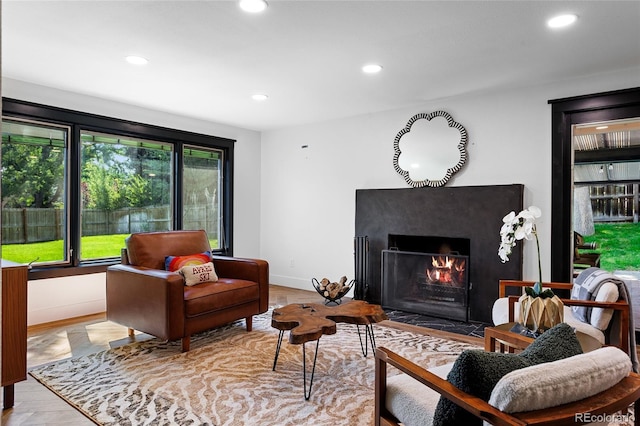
(477, 372)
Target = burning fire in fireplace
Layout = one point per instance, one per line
(434, 283)
(446, 270)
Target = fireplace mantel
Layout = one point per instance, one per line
(473, 212)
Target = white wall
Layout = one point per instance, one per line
(59, 298)
(55, 299)
(295, 207)
(308, 195)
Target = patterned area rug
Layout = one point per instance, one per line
(227, 378)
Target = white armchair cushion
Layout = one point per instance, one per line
(560, 382)
(410, 401)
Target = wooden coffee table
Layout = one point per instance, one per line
(307, 322)
(508, 341)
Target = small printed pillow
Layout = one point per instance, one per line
(174, 263)
(196, 274)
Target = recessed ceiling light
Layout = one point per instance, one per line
(562, 20)
(371, 68)
(253, 6)
(136, 60)
(259, 97)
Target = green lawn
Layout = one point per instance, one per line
(96, 247)
(618, 244)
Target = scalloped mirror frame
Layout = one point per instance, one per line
(462, 148)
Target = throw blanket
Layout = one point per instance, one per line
(586, 286)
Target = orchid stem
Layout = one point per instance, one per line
(539, 263)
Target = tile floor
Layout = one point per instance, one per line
(472, 328)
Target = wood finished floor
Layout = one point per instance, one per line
(36, 405)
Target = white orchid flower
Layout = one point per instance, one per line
(506, 229)
(535, 211)
(504, 253)
(531, 213)
(527, 229)
(508, 219)
(519, 227)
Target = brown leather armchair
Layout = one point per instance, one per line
(142, 296)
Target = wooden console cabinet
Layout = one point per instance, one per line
(14, 328)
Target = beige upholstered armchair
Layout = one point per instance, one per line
(617, 331)
(410, 398)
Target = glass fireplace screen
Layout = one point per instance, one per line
(426, 283)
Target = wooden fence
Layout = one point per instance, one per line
(32, 225)
(615, 203)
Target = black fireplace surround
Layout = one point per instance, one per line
(472, 213)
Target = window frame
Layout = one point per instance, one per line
(67, 129)
(78, 121)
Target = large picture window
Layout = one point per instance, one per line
(75, 185)
(125, 187)
(34, 192)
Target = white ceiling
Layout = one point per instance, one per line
(207, 58)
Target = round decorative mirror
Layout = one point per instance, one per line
(430, 149)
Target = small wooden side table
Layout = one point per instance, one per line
(310, 321)
(505, 340)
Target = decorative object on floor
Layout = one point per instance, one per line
(430, 155)
(332, 291)
(539, 309)
(227, 379)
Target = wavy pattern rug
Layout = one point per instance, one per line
(227, 378)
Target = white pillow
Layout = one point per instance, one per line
(196, 274)
(600, 317)
(560, 382)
